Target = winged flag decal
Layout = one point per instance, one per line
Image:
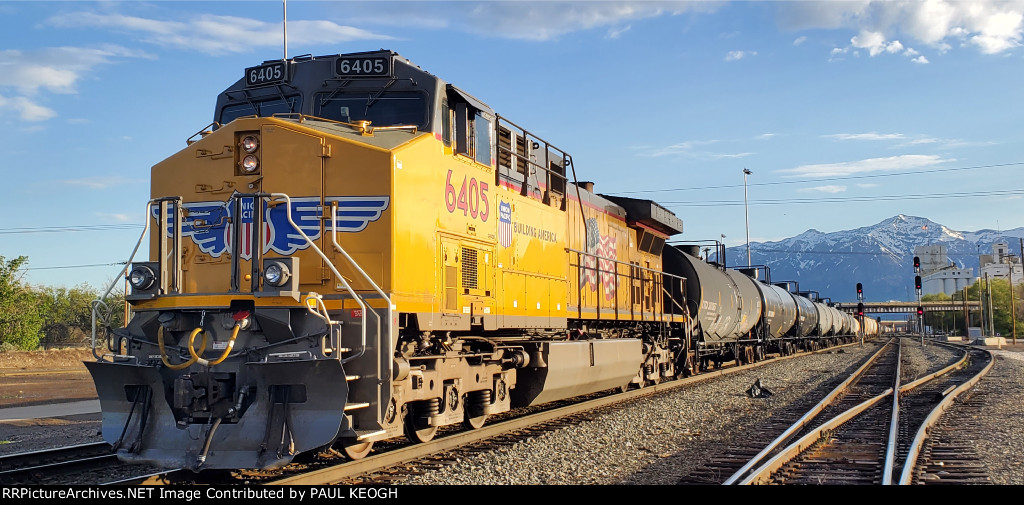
(209, 223)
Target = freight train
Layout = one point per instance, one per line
(356, 250)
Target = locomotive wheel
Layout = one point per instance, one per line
(475, 417)
(417, 430)
(354, 449)
(474, 422)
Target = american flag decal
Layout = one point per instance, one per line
(599, 262)
(606, 251)
(505, 224)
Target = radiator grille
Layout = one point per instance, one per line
(469, 268)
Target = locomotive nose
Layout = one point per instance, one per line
(250, 416)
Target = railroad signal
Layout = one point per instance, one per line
(920, 310)
(860, 291)
(917, 283)
(917, 265)
(860, 309)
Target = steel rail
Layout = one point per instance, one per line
(806, 418)
(378, 462)
(894, 422)
(762, 473)
(25, 474)
(794, 449)
(944, 371)
(20, 459)
(922, 433)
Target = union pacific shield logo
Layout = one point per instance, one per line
(505, 224)
(209, 223)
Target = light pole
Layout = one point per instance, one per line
(746, 212)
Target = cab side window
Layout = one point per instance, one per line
(482, 139)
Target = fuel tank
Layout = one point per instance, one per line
(807, 317)
(724, 303)
(780, 310)
(826, 320)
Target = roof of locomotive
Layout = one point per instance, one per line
(649, 213)
(303, 83)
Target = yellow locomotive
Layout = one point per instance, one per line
(356, 250)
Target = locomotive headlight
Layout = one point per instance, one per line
(250, 144)
(276, 274)
(141, 277)
(250, 163)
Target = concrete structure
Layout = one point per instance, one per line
(933, 258)
(948, 280)
(1001, 264)
(938, 274)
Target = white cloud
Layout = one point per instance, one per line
(739, 55)
(528, 20)
(121, 218)
(55, 69)
(823, 189)
(99, 182)
(992, 27)
(616, 33)
(548, 20)
(766, 136)
(214, 34)
(865, 136)
(26, 109)
(685, 147)
(875, 43)
(920, 59)
(799, 40)
(52, 70)
(689, 149)
(892, 163)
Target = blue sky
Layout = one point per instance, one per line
(846, 113)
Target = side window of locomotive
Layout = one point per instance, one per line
(264, 108)
(446, 123)
(389, 109)
(482, 139)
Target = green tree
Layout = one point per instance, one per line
(20, 318)
(1000, 305)
(67, 314)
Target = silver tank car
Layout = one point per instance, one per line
(780, 309)
(826, 318)
(726, 303)
(807, 317)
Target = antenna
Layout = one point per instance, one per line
(285, 28)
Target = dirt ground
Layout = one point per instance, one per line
(35, 377)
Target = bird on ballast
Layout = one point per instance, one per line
(756, 390)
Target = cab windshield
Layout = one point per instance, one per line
(262, 108)
(388, 109)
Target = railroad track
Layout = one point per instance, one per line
(393, 458)
(50, 465)
(853, 445)
(396, 465)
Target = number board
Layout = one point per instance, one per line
(268, 73)
(365, 67)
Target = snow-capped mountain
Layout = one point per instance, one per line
(879, 256)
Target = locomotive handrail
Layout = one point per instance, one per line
(656, 280)
(127, 264)
(341, 278)
(387, 299)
